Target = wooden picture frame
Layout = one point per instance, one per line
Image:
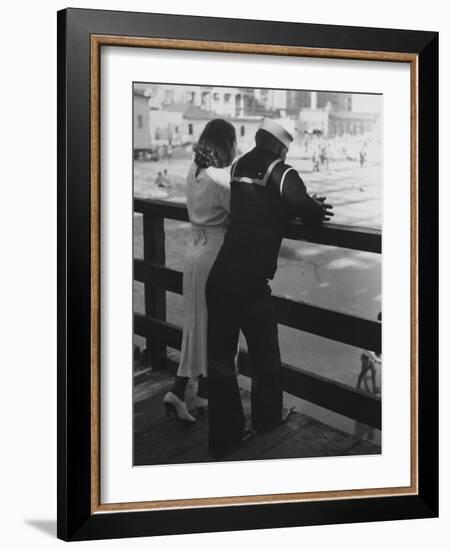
(81, 35)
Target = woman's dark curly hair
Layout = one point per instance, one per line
(215, 144)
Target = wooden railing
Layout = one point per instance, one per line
(335, 325)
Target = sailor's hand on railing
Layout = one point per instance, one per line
(327, 213)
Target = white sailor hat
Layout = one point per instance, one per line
(278, 130)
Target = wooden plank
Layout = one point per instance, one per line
(315, 439)
(322, 391)
(171, 442)
(330, 234)
(328, 323)
(165, 441)
(327, 393)
(155, 297)
(158, 440)
(157, 330)
(164, 209)
(159, 275)
(336, 325)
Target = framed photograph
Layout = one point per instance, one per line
(247, 286)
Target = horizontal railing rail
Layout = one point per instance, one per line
(330, 234)
(322, 391)
(335, 325)
(328, 323)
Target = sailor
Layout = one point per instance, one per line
(265, 193)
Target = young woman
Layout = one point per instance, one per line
(208, 198)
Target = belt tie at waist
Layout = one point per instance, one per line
(200, 232)
(199, 236)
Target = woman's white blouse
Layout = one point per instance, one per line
(208, 196)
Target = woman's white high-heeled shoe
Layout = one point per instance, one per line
(201, 404)
(177, 408)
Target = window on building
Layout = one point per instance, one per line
(191, 129)
(227, 98)
(205, 99)
(242, 131)
(169, 96)
(140, 121)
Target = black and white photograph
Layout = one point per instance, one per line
(257, 296)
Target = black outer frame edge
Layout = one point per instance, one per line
(428, 160)
(74, 477)
(75, 521)
(311, 35)
(250, 517)
(61, 286)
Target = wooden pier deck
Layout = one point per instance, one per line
(160, 440)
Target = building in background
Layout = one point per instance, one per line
(182, 123)
(175, 114)
(141, 121)
(353, 124)
(334, 113)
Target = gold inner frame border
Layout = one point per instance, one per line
(97, 41)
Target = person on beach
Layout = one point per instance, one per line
(370, 365)
(166, 178)
(159, 180)
(208, 198)
(265, 193)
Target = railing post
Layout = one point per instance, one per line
(155, 298)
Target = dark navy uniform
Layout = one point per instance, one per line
(265, 194)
